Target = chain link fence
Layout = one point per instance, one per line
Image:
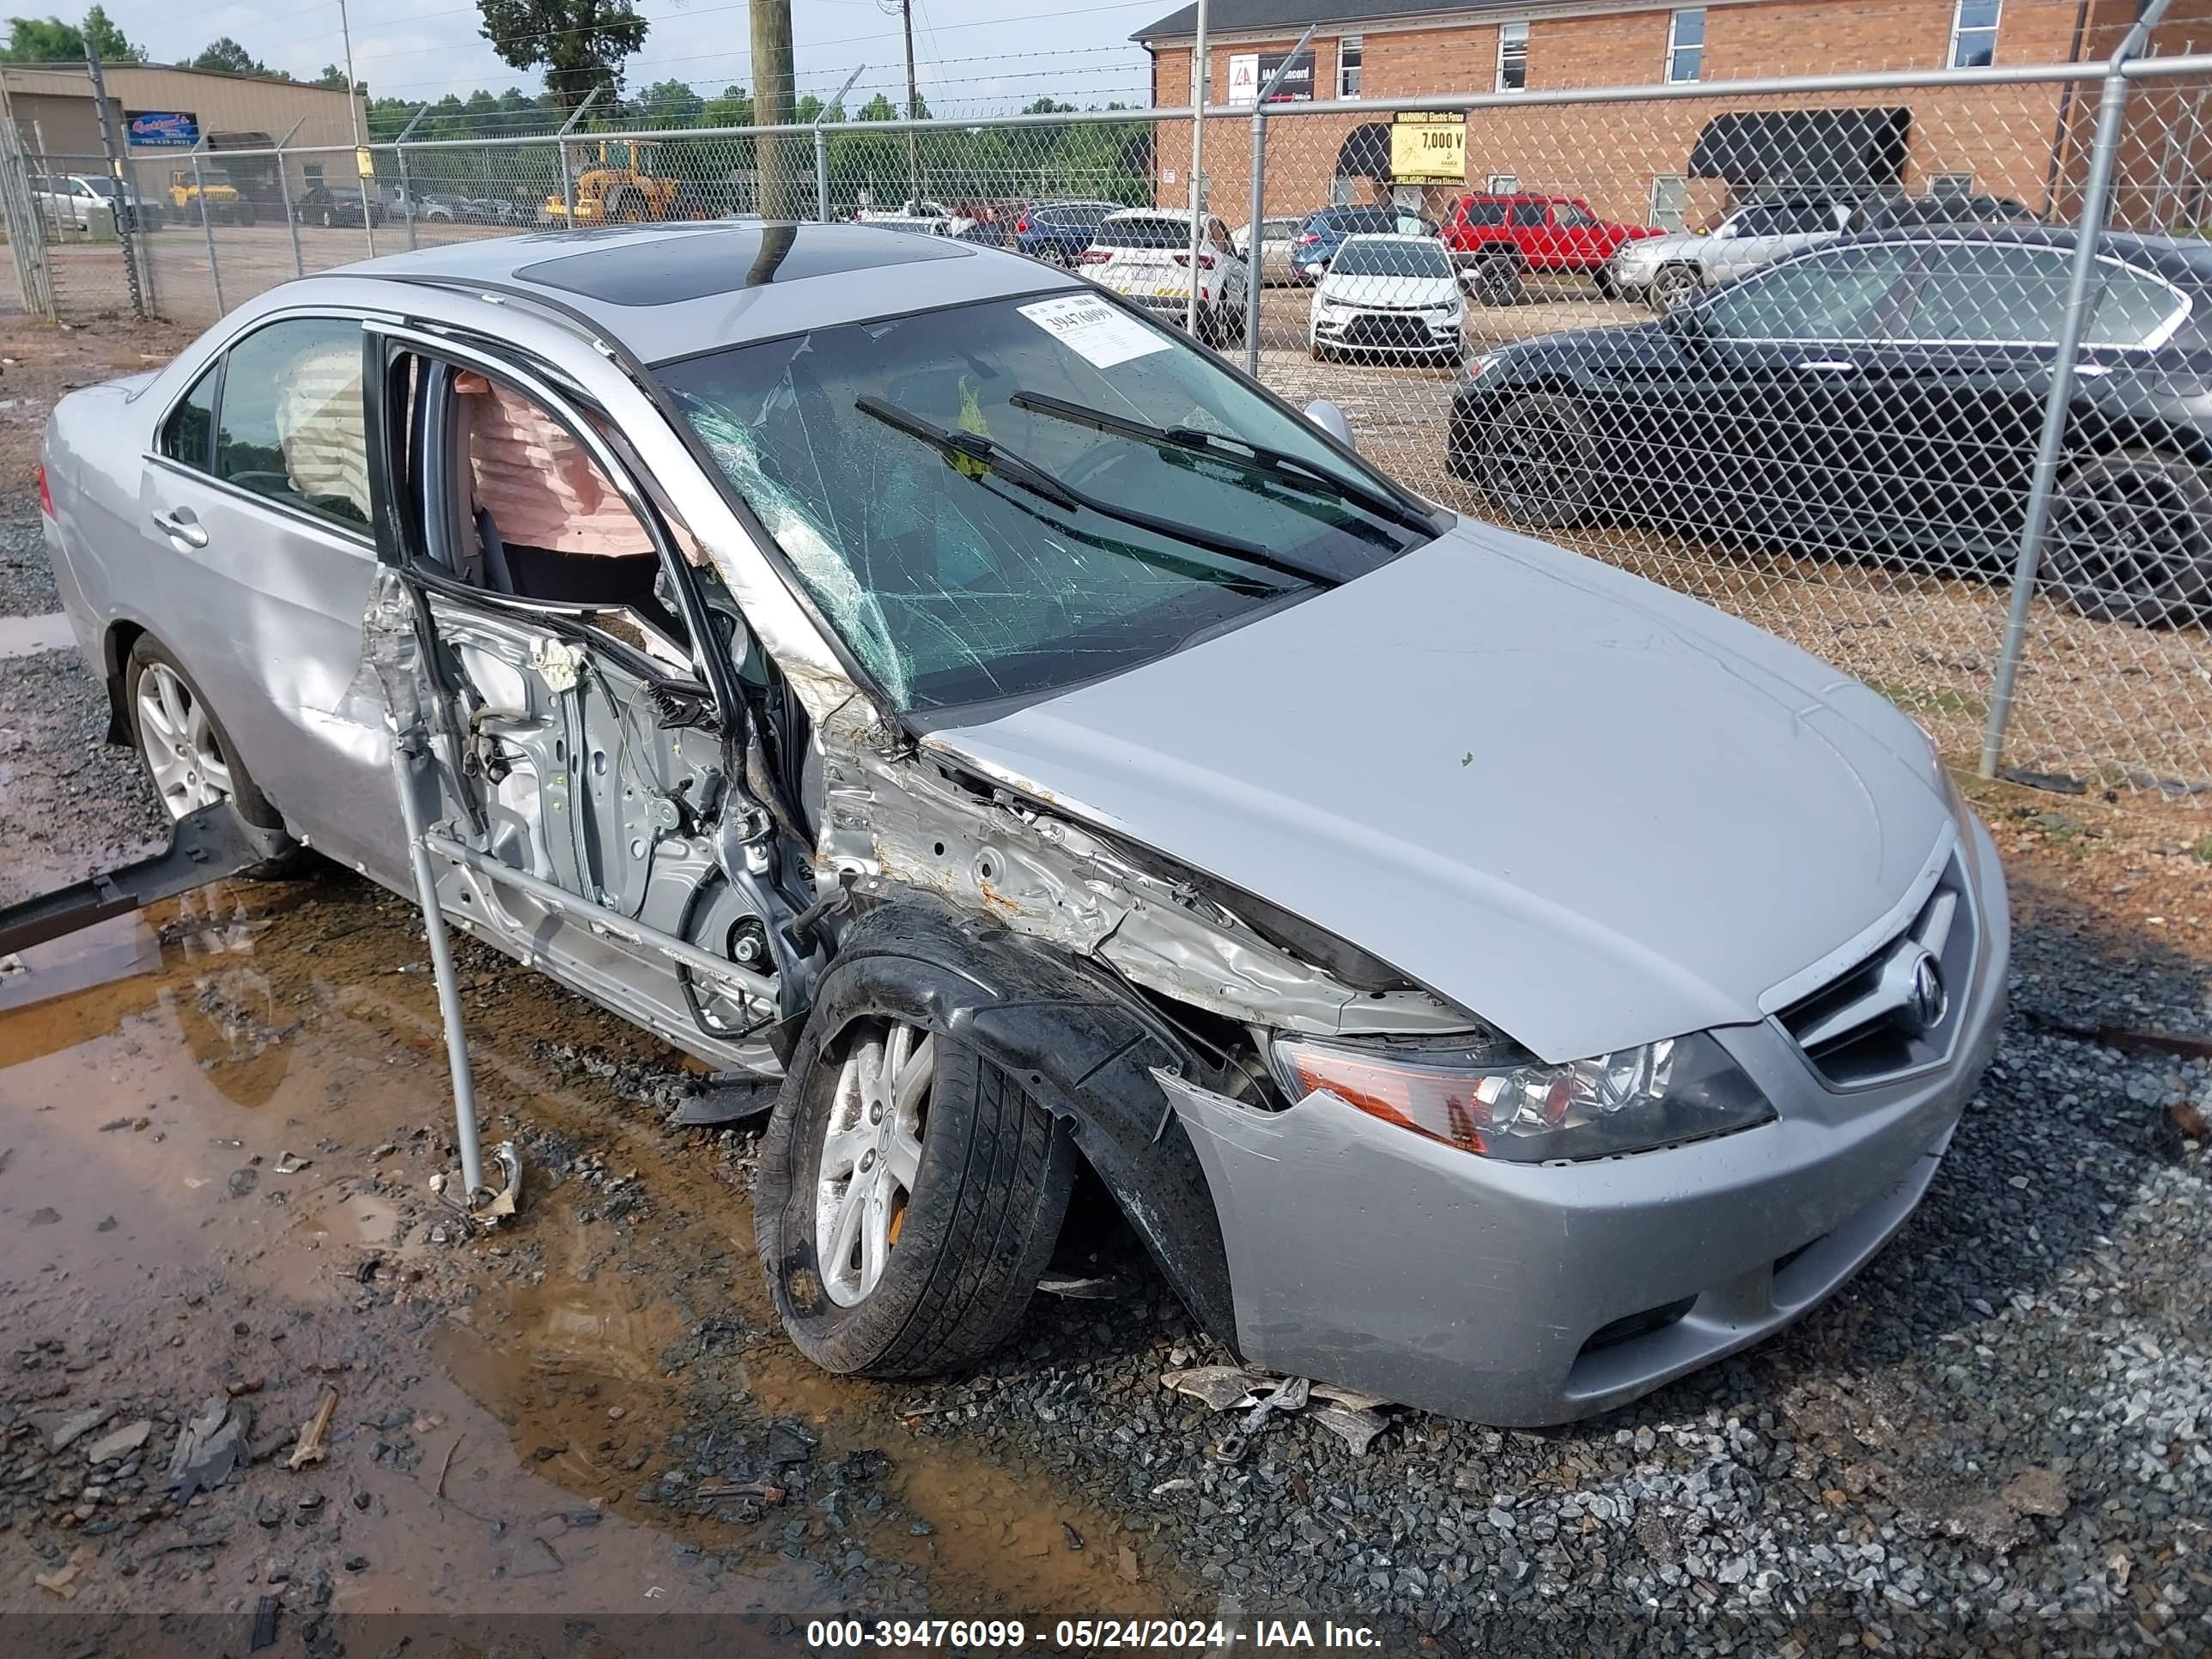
(1785, 345)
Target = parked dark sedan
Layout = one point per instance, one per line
(1059, 231)
(1885, 393)
(337, 204)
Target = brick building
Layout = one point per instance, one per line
(1676, 160)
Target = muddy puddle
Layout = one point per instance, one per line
(217, 1126)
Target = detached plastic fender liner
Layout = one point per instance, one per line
(1083, 1047)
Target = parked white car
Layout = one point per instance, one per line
(1278, 237)
(71, 200)
(1145, 255)
(1390, 296)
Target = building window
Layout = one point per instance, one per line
(1348, 53)
(1974, 34)
(1686, 44)
(1513, 56)
(1503, 184)
(1952, 183)
(1670, 201)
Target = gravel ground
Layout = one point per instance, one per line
(76, 804)
(27, 575)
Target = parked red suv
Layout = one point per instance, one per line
(1503, 236)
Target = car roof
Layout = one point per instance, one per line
(670, 291)
(2177, 258)
(1180, 216)
(1393, 236)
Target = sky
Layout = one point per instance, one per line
(971, 55)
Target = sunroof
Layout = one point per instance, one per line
(658, 270)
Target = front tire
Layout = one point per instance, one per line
(1536, 459)
(909, 1197)
(1673, 287)
(2131, 539)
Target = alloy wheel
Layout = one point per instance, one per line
(1673, 287)
(182, 752)
(871, 1157)
(2129, 548)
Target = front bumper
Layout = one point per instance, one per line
(1523, 1295)
(1385, 333)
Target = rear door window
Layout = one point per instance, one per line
(293, 426)
(1529, 213)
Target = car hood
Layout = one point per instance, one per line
(1591, 811)
(1673, 243)
(1395, 291)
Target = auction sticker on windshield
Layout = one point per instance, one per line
(1093, 330)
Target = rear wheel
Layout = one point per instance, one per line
(245, 214)
(189, 759)
(910, 1194)
(2131, 539)
(1535, 458)
(1497, 280)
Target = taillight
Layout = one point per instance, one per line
(46, 495)
(1205, 261)
(1093, 256)
(1308, 238)
(1022, 225)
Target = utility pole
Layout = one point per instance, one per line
(773, 78)
(912, 113)
(353, 110)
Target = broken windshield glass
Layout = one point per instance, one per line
(949, 587)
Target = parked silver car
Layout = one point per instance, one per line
(1672, 270)
(1482, 978)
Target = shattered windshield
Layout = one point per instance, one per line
(955, 579)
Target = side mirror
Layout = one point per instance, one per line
(1685, 323)
(1330, 419)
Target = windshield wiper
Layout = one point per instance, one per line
(1243, 452)
(987, 456)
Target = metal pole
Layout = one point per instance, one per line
(126, 230)
(353, 112)
(822, 149)
(2111, 102)
(442, 971)
(1255, 240)
(284, 189)
(913, 110)
(207, 227)
(568, 177)
(406, 191)
(1198, 82)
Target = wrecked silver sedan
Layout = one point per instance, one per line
(1482, 978)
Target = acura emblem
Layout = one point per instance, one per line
(1927, 997)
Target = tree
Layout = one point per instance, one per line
(335, 78)
(108, 43)
(229, 55)
(50, 40)
(581, 43)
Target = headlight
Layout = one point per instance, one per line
(1630, 1101)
